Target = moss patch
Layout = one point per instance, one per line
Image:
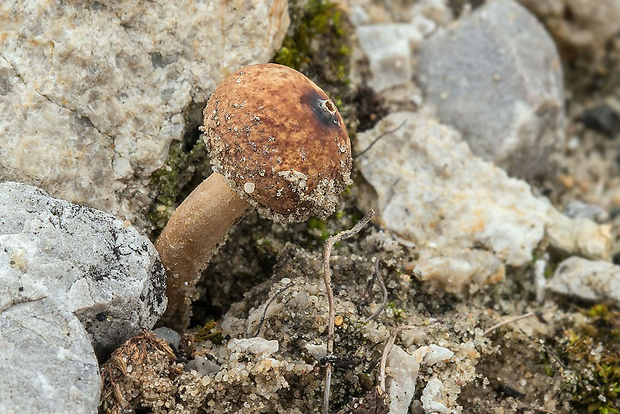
(172, 183)
(591, 354)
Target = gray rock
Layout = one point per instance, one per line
(496, 76)
(587, 280)
(577, 209)
(171, 336)
(91, 97)
(47, 363)
(104, 272)
(202, 365)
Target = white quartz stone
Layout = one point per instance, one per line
(91, 97)
(465, 216)
(402, 370)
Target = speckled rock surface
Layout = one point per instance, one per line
(466, 217)
(102, 271)
(47, 364)
(496, 76)
(587, 280)
(93, 93)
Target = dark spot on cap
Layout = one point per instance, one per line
(100, 317)
(324, 110)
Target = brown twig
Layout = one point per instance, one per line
(359, 154)
(327, 277)
(386, 350)
(262, 318)
(377, 275)
(507, 321)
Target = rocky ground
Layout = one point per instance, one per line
(485, 138)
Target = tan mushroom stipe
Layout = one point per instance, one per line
(279, 142)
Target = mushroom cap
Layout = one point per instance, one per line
(279, 142)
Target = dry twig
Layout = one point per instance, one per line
(362, 152)
(386, 351)
(262, 318)
(377, 275)
(327, 277)
(507, 321)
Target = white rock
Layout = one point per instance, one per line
(437, 354)
(258, 346)
(460, 269)
(540, 283)
(92, 97)
(203, 365)
(432, 392)
(587, 280)
(388, 49)
(464, 214)
(47, 363)
(107, 274)
(579, 236)
(402, 370)
(497, 77)
(317, 351)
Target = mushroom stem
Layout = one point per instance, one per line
(191, 237)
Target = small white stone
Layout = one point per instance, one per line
(257, 346)
(587, 280)
(203, 366)
(402, 369)
(432, 392)
(249, 187)
(317, 351)
(436, 354)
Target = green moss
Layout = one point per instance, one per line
(399, 313)
(175, 180)
(318, 228)
(165, 180)
(315, 22)
(591, 353)
(318, 45)
(211, 331)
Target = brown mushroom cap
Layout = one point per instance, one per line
(279, 141)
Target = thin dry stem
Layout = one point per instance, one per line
(365, 150)
(386, 351)
(327, 277)
(262, 318)
(507, 321)
(377, 275)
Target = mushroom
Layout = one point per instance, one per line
(277, 143)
